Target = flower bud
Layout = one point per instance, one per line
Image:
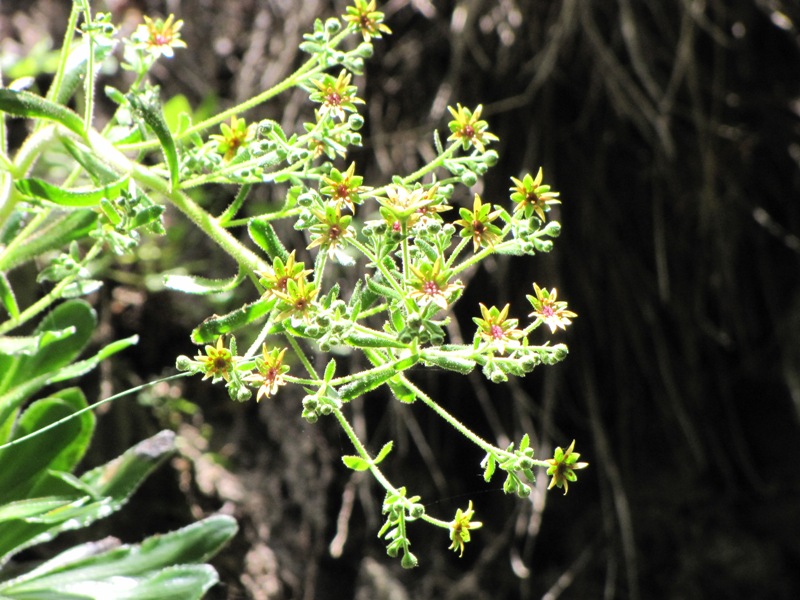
(310, 403)
(552, 229)
(490, 158)
(310, 416)
(364, 50)
(355, 122)
(469, 178)
(333, 26)
(542, 245)
(326, 409)
(184, 363)
(409, 561)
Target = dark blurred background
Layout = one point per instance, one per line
(672, 131)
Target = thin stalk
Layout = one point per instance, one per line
(58, 78)
(236, 205)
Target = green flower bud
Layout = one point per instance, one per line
(552, 229)
(310, 416)
(184, 363)
(417, 510)
(469, 178)
(355, 122)
(526, 462)
(305, 199)
(310, 403)
(323, 320)
(490, 158)
(542, 245)
(333, 26)
(392, 551)
(364, 50)
(409, 561)
(434, 227)
(266, 127)
(326, 409)
(523, 490)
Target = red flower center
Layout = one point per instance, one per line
(547, 310)
(497, 332)
(431, 288)
(469, 131)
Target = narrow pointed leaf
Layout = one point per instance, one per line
(152, 114)
(28, 105)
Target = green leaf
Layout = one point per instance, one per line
(213, 327)
(57, 449)
(361, 339)
(152, 114)
(193, 284)
(330, 370)
(25, 104)
(491, 464)
(451, 363)
(59, 232)
(40, 189)
(7, 297)
(25, 509)
(369, 380)
(355, 462)
(401, 390)
(387, 447)
(263, 234)
(162, 567)
(100, 173)
(77, 63)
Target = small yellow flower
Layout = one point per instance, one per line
(497, 329)
(532, 197)
(217, 362)
(160, 37)
(549, 310)
(365, 19)
(269, 372)
(469, 129)
(477, 224)
(233, 137)
(432, 285)
(563, 466)
(460, 528)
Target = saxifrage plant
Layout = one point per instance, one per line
(408, 253)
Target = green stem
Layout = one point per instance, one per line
(234, 207)
(378, 264)
(458, 425)
(58, 78)
(302, 356)
(94, 406)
